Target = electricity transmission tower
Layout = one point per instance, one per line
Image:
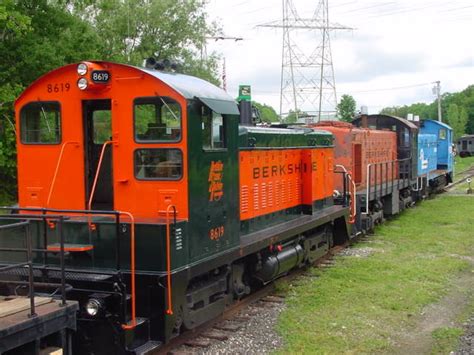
(307, 72)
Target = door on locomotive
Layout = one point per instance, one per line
(97, 131)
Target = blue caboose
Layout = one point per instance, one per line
(435, 158)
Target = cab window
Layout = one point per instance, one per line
(157, 119)
(212, 126)
(40, 123)
(158, 164)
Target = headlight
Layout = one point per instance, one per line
(82, 83)
(93, 307)
(82, 69)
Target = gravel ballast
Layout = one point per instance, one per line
(255, 336)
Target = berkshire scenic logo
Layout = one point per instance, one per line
(216, 186)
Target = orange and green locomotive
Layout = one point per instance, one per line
(144, 192)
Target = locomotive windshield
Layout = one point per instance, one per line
(40, 123)
(157, 119)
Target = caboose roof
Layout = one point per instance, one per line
(442, 124)
(191, 87)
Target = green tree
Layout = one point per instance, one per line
(346, 108)
(132, 30)
(463, 99)
(36, 36)
(293, 116)
(457, 119)
(267, 113)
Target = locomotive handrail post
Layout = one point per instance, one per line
(353, 195)
(96, 178)
(29, 257)
(133, 321)
(393, 174)
(45, 238)
(61, 261)
(375, 180)
(117, 241)
(367, 196)
(169, 309)
(56, 171)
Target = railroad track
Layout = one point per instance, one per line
(220, 328)
(468, 173)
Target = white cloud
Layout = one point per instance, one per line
(395, 44)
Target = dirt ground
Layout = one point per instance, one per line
(447, 313)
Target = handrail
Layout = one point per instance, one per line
(60, 219)
(133, 322)
(367, 194)
(96, 177)
(53, 182)
(169, 310)
(353, 205)
(29, 253)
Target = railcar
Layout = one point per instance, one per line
(465, 146)
(147, 200)
(435, 155)
(370, 157)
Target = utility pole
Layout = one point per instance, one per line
(437, 90)
(204, 54)
(307, 76)
(224, 76)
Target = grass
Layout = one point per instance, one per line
(361, 304)
(446, 339)
(462, 164)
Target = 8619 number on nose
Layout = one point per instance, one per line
(100, 76)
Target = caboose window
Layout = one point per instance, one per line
(442, 133)
(40, 123)
(157, 119)
(158, 164)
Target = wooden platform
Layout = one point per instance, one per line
(17, 328)
(12, 305)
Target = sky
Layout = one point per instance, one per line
(391, 57)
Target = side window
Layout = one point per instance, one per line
(442, 133)
(158, 164)
(157, 119)
(40, 123)
(213, 136)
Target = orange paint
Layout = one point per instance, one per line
(355, 148)
(37, 163)
(272, 180)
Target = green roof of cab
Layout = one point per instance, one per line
(191, 87)
(268, 137)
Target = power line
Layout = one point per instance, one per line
(306, 77)
(391, 88)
